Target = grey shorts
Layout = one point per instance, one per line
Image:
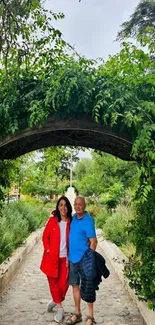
(77, 277)
(74, 274)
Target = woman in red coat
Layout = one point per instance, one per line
(54, 261)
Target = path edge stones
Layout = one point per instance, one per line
(116, 257)
(12, 264)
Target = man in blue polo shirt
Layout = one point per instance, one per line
(82, 236)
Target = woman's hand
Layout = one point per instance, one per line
(67, 262)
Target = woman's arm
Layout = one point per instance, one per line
(46, 236)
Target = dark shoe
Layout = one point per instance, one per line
(92, 320)
(77, 319)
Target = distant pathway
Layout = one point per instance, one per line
(24, 302)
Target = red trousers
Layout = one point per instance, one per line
(59, 286)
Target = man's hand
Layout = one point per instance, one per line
(88, 243)
(92, 243)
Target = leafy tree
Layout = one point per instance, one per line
(57, 160)
(82, 167)
(87, 179)
(114, 170)
(8, 170)
(26, 32)
(115, 192)
(49, 171)
(142, 18)
(105, 173)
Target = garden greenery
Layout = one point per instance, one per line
(119, 92)
(16, 224)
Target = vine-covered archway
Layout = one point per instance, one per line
(109, 107)
(83, 131)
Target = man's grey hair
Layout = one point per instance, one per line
(82, 198)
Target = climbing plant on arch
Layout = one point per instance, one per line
(119, 93)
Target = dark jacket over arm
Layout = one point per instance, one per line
(92, 268)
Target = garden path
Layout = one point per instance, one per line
(25, 299)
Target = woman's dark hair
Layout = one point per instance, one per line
(69, 208)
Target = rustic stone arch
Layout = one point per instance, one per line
(82, 131)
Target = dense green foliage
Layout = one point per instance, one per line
(118, 92)
(45, 172)
(108, 175)
(8, 171)
(26, 33)
(18, 221)
(141, 267)
(115, 227)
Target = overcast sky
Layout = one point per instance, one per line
(92, 25)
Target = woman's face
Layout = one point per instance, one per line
(62, 207)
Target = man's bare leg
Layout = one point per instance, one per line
(77, 301)
(90, 312)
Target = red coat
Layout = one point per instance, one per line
(51, 240)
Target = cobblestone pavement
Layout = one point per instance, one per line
(24, 301)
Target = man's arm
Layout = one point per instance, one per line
(93, 243)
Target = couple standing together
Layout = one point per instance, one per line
(65, 241)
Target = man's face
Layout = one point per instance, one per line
(79, 206)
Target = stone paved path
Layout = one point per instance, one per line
(24, 302)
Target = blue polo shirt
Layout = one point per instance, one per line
(80, 231)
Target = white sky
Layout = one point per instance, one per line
(92, 25)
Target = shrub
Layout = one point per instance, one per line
(6, 241)
(19, 228)
(40, 215)
(32, 201)
(101, 217)
(111, 203)
(51, 205)
(128, 249)
(25, 212)
(19, 219)
(94, 210)
(115, 227)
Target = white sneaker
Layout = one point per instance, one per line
(50, 306)
(59, 315)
